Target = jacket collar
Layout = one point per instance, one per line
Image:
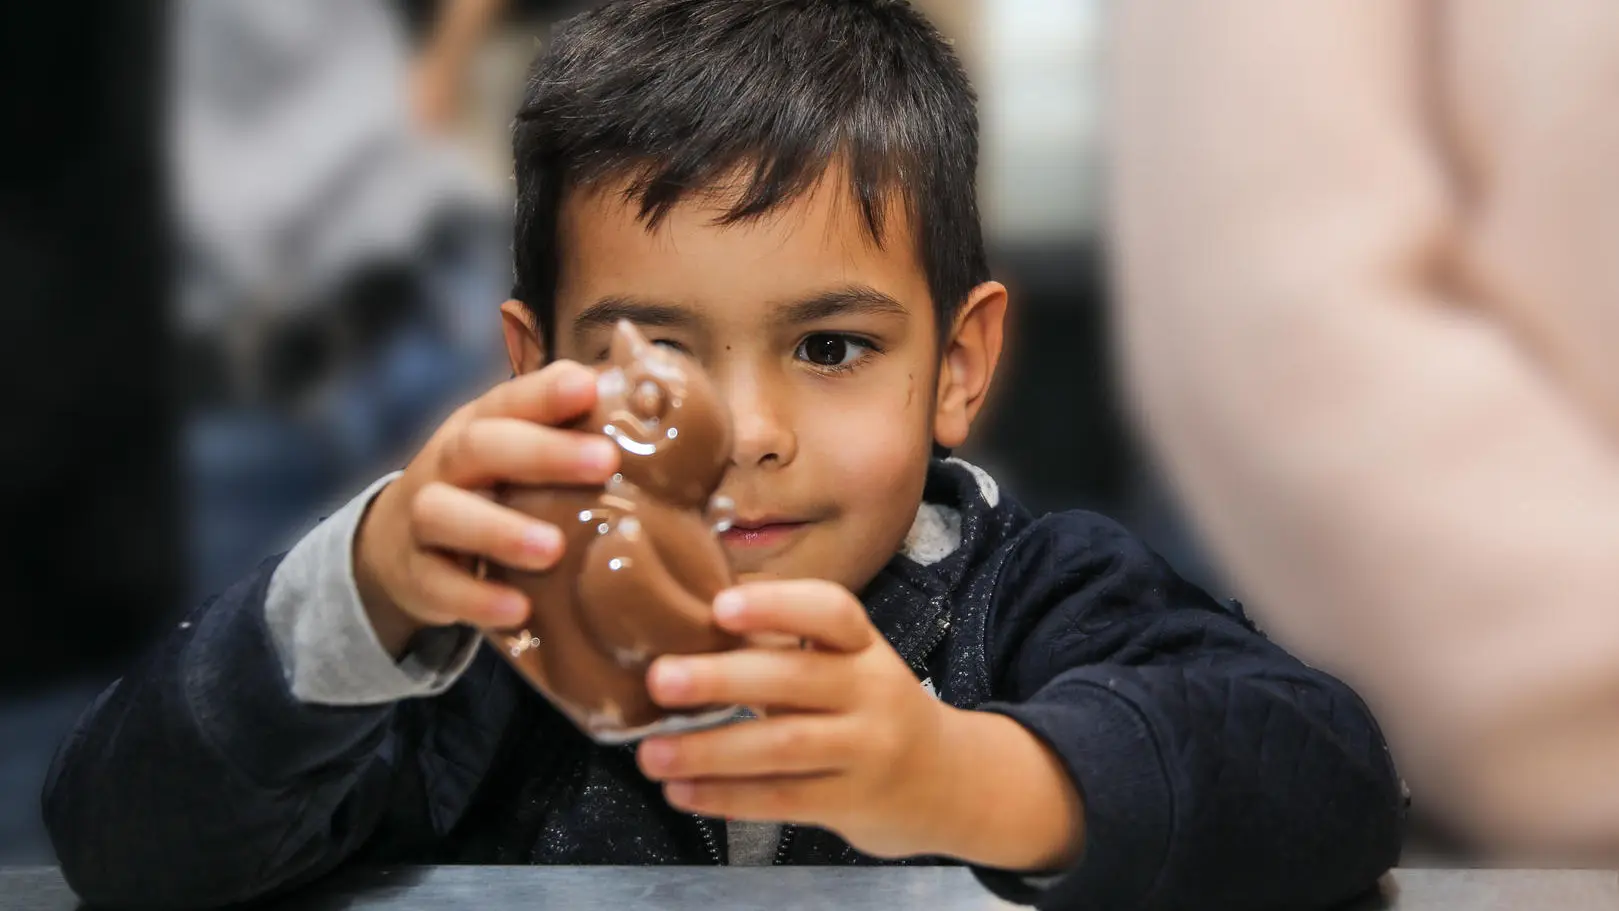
(963, 519)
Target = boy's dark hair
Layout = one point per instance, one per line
(677, 95)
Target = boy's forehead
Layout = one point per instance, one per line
(817, 245)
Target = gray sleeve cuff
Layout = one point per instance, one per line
(326, 643)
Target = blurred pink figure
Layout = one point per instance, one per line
(439, 72)
(1369, 264)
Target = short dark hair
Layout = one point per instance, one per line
(679, 95)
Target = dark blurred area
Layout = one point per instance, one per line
(92, 562)
(253, 250)
(91, 511)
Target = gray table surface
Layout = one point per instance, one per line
(719, 889)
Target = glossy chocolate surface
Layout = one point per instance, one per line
(643, 560)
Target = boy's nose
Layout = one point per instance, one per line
(764, 434)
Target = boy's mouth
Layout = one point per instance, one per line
(762, 534)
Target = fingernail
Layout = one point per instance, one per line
(541, 540)
(578, 382)
(679, 791)
(599, 454)
(658, 754)
(728, 605)
(511, 609)
(672, 678)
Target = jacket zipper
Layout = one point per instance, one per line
(708, 840)
(703, 825)
(941, 628)
(787, 833)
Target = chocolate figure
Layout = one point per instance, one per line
(642, 560)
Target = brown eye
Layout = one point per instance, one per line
(826, 350)
(647, 400)
(833, 351)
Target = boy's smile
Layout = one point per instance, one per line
(822, 342)
(762, 535)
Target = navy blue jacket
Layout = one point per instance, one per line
(1216, 771)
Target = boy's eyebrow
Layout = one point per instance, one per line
(609, 310)
(819, 306)
(840, 302)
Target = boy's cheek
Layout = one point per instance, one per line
(880, 427)
(876, 467)
(876, 458)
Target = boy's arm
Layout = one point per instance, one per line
(331, 652)
(1214, 769)
(261, 744)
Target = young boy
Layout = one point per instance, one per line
(783, 189)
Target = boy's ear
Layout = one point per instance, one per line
(524, 347)
(971, 353)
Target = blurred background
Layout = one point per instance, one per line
(254, 250)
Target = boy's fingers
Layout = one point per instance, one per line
(786, 798)
(822, 612)
(456, 520)
(772, 678)
(795, 745)
(445, 588)
(489, 451)
(553, 395)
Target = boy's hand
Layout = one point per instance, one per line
(852, 742)
(416, 544)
